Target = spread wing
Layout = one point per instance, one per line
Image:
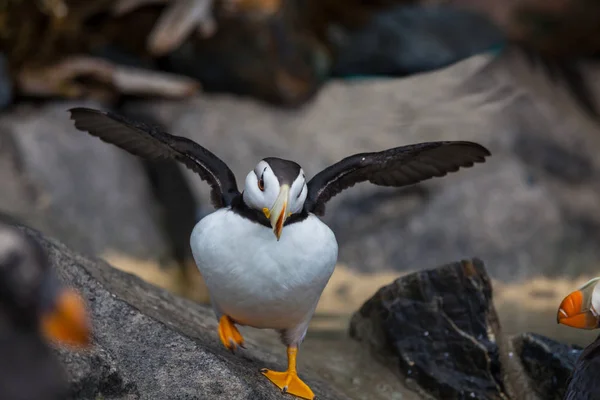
(151, 143)
(397, 167)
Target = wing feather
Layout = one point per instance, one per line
(396, 167)
(152, 144)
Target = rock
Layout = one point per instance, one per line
(439, 329)
(96, 373)
(406, 40)
(514, 211)
(548, 363)
(94, 197)
(148, 343)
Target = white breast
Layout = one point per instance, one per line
(257, 280)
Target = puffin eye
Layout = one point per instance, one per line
(261, 184)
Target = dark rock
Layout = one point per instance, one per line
(547, 363)
(150, 344)
(440, 329)
(583, 384)
(514, 211)
(405, 40)
(94, 197)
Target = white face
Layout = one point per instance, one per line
(262, 188)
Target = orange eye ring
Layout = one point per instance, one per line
(261, 185)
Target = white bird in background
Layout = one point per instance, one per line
(265, 254)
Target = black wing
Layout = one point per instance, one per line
(400, 166)
(151, 143)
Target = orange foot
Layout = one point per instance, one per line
(229, 334)
(288, 381)
(262, 7)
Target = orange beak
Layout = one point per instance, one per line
(577, 310)
(68, 322)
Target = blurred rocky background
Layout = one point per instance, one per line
(315, 81)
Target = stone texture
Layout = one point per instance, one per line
(94, 197)
(521, 211)
(440, 328)
(548, 363)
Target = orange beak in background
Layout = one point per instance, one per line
(67, 322)
(278, 213)
(577, 310)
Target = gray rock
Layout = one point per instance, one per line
(149, 344)
(92, 196)
(521, 211)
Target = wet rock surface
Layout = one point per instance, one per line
(71, 186)
(515, 211)
(548, 363)
(440, 328)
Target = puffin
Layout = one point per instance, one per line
(35, 308)
(264, 253)
(580, 310)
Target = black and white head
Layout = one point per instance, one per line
(277, 188)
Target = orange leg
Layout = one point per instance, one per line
(229, 334)
(288, 381)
